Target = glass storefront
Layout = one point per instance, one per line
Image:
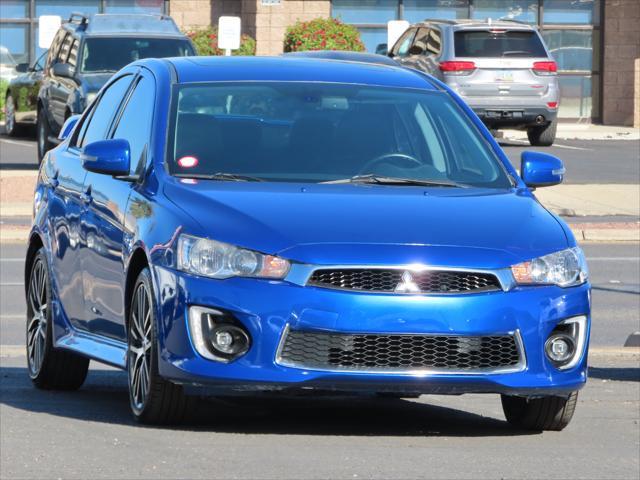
(19, 19)
(571, 30)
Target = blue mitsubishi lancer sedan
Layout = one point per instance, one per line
(224, 225)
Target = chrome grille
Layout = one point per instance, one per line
(400, 353)
(389, 280)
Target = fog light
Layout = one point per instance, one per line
(560, 348)
(229, 340)
(217, 335)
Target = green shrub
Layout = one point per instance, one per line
(322, 34)
(206, 42)
(3, 93)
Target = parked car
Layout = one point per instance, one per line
(346, 56)
(84, 54)
(22, 96)
(223, 224)
(502, 69)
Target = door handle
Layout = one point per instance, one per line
(86, 196)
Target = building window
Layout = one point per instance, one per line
(521, 10)
(418, 10)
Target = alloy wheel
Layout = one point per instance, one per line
(9, 115)
(139, 361)
(38, 313)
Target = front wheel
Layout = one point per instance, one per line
(43, 133)
(545, 413)
(10, 126)
(49, 368)
(153, 399)
(543, 136)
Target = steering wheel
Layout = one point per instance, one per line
(386, 158)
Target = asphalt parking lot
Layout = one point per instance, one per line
(90, 433)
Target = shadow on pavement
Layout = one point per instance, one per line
(104, 398)
(629, 374)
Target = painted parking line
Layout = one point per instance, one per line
(15, 142)
(10, 259)
(613, 259)
(12, 284)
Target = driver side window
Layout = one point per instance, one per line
(96, 124)
(401, 48)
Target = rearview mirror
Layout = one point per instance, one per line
(63, 70)
(67, 128)
(110, 157)
(541, 169)
(22, 67)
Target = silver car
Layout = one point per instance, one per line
(502, 69)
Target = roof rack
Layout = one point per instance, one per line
(79, 18)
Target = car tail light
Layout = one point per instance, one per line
(552, 104)
(545, 68)
(457, 68)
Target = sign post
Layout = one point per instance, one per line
(48, 26)
(229, 34)
(395, 28)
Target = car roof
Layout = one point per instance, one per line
(296, 68)
(344, 55)
(462, 24)
(116, 24)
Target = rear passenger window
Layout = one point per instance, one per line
(428, 40)
(135, 122)
(72, 59)
(96, 126)
(64, 49)
(52, 56)
(498, 43)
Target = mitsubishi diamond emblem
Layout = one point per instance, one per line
(407, 285)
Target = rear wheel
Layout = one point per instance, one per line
(49, 368)
(43, 133)
(543, 136)
(153, 399)
(546, 413)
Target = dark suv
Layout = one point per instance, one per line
(84, 54)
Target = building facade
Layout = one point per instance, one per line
(595, 42)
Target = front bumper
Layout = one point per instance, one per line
(266, 308)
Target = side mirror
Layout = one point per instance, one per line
(415, 50)
(22, 68)
(541, 169)
(62, 70)
(67, 128)
(381, 49)
(110, 157)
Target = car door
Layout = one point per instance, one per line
(104, 218)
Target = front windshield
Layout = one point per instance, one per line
(110, 54)
(323, 132)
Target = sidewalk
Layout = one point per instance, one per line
(573, 202)
(583, 131)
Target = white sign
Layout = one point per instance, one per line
(229, 33)
(395, 28)
(48, 25)
(270, 3)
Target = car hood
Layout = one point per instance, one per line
(369, 224)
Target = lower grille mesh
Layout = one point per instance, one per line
(371, 352)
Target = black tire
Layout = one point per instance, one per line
(543, 136)
(11, 128)
(546, 413)
(43, 131)
(161, 402)
(49, 368)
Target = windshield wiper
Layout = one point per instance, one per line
(383, 180)
(233, 177)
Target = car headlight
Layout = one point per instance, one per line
(566, 268)
(209, 258)
(89, 98)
